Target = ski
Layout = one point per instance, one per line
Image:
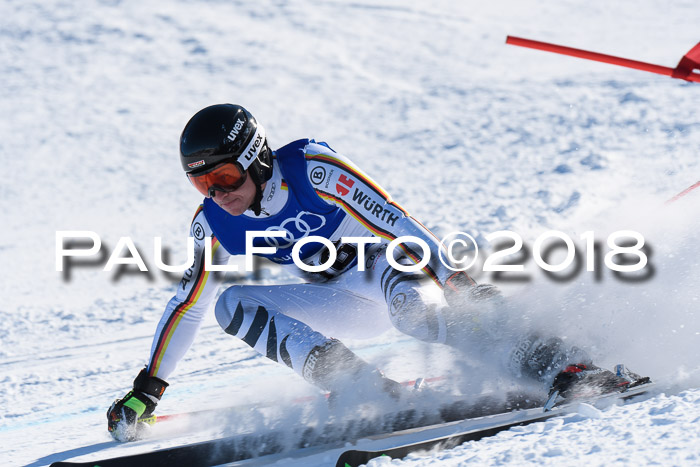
(449, 435)
(233, 409)
(354, 457)
(328, 435)
(394, 434)
(203, 454)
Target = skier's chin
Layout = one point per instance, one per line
(235, 207)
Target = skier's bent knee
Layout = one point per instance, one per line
(417, 319)
(223, 310)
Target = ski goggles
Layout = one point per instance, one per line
(227, 177)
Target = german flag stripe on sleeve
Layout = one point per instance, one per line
(379, 233)
(427, 230)
(365, 179)
(199, 209)
(180, 311)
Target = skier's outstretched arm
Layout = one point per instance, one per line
(340, 182)
(184, 313)
(174, 335)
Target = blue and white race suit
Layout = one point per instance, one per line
(313, 191)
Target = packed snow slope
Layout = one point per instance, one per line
(465, 132)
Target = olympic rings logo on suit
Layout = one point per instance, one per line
(303, 223)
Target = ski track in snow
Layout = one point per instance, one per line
(493, 137)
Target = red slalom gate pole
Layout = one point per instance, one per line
(685, 69)
(683, 193)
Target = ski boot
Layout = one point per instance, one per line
(336, 369)
(580, 380)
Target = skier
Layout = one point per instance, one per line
(307, 189)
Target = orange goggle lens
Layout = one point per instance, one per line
(225, 177)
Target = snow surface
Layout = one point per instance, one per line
(465, 132)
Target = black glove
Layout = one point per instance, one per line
(460, 289)
(123, 415)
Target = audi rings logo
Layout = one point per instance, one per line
(295, 228)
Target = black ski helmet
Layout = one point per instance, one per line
(227, 133)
